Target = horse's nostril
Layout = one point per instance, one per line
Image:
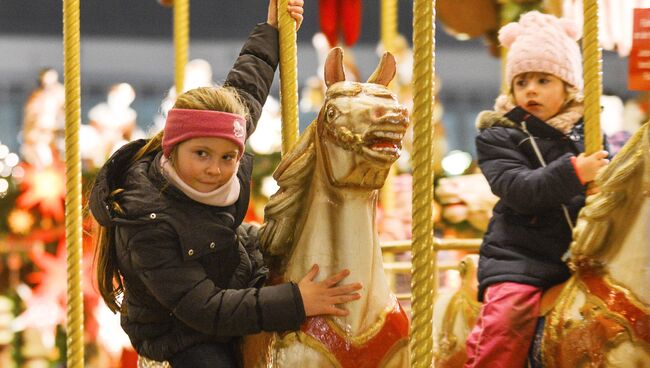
(378, 112)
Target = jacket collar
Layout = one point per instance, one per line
(146, 189)
(535, 126)
(513, 119)
(564, 121)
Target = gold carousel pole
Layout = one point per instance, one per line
(388, 36)
(424, 275)
(387, 193)
(388, 23)
(288, 77)
(73, 220)
(181, 42)
(593, 77)
(503, 52)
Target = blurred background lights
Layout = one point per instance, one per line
(18, 173)
(8, 162)
(4, 151)
(267, 138)
(4, 186)
(46, 185)
(5, 170)
(456, 162)
(11, 160)
(269, 186)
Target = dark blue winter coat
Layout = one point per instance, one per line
(528, 233)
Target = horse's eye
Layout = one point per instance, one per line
(331, 113)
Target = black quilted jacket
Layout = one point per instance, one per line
(192, 272)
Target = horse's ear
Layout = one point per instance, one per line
(334, 67)
(385, 70)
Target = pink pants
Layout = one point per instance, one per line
(505, 326)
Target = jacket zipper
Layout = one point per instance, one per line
(541, 161)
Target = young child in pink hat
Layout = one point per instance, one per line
(174, 258)
(530, 150)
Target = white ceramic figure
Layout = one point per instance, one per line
(43, 120)
(111, 125)
(324, 213)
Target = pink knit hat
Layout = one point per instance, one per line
(543, 43)
(184, 124)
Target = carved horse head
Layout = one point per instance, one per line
(361, 125)
(355, 139)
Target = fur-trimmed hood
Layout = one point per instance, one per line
(488, 118)
(562, 122)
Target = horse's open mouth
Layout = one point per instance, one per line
(383, 145)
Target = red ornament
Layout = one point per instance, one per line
(340, 16)
(45, 303)
(52, 274)
(44, 188)
(166, 3)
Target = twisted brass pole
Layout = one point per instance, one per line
(388, 23)
(388, 36)
(73, 220)
(181, 42)
(593, 77)
(424, 275)
(288, 76)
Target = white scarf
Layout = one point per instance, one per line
(563, 121)
(225, 195)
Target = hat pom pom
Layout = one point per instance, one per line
(508, 34)
(571, 29)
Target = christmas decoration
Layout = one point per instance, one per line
(44, 188)
(340, 16)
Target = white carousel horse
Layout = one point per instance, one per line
(601, 316)
(324, 213)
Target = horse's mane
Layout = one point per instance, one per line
(612, 211)
(294, 175)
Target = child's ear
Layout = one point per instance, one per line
(173, 157)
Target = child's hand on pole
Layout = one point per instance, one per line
(588, 166)
(294, 7)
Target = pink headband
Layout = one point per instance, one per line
(184, 124)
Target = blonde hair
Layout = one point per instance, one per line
(108, 275)
(223, 98)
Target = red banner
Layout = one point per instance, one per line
(639, 61)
